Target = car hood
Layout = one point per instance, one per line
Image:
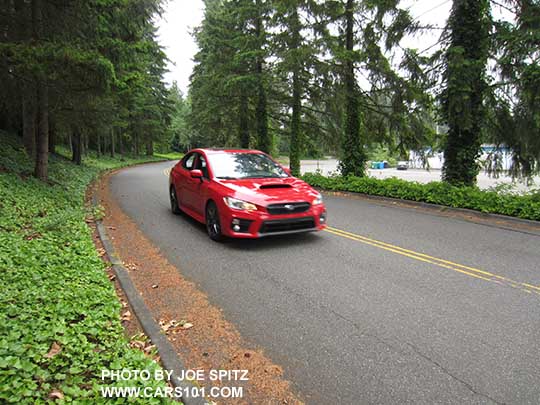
(270, 190)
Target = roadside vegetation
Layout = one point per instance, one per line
(351, 78)
(60, 318)
(525, 206)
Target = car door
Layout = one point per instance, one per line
(192, 186)
(184, 180)
(200, 191)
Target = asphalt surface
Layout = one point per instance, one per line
(353, 318)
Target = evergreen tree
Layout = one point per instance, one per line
(71, 64)
(514, 99)
(465, 84)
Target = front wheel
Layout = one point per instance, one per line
(213, 225)
(174, 201)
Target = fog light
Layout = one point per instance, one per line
(236, 227)
(322, 218)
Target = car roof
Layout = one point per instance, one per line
(225, 150)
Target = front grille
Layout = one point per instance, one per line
(287, 225)
(288, 208)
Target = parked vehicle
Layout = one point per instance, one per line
(243, 194)
(402, 165)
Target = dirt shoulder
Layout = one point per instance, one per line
(212, 343)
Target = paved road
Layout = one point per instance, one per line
(352, 317)
(327, 166)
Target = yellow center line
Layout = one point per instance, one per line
(467, 270)
(460, 268)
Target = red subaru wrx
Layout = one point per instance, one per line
(243, 194)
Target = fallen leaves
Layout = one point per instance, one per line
(32, 236)
(130, 266)
(174, 325)
(56, 394)
(126, 316)
(141, 342)
(54, 350)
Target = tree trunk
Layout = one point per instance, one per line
(42, 139)
(149, 148)
(76, 145)
(98, 144)
(264, 138)
(120, 142)
(86, 139)
(353, 156)
(466, 62)
(103, 144)
(42, 134)
(243, 123)
(136, 144)
(295, 141)
(29, 118)
(52, 135)
(112, 142)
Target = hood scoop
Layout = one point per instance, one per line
(275, 185)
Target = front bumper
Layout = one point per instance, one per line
(258, 224)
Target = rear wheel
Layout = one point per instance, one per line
(174, 201)
(213, 225)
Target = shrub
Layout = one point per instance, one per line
(522, 206)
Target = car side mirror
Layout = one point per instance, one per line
(196, 174)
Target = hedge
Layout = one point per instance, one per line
(525, 206)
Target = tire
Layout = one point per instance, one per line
(174, 201)
(213, 225)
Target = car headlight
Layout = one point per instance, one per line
(317, 200)
(239, 204)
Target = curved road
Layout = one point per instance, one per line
(390, 305)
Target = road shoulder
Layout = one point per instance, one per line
(212, 343)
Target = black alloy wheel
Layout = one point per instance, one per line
(213, 226)
(174, 201)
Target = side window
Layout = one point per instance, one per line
(187, 162)
(201, 165)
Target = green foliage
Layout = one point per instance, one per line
(521, 206)
(180, 134)
(93, 67)
(55, 294)
(169, 156)
(380, 153)
(229, 81)
(514, 99)
(463, 96)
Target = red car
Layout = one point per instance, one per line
(243, 194)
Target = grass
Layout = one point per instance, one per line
(59, 313)
(170, 156)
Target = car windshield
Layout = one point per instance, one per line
(244, 166)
